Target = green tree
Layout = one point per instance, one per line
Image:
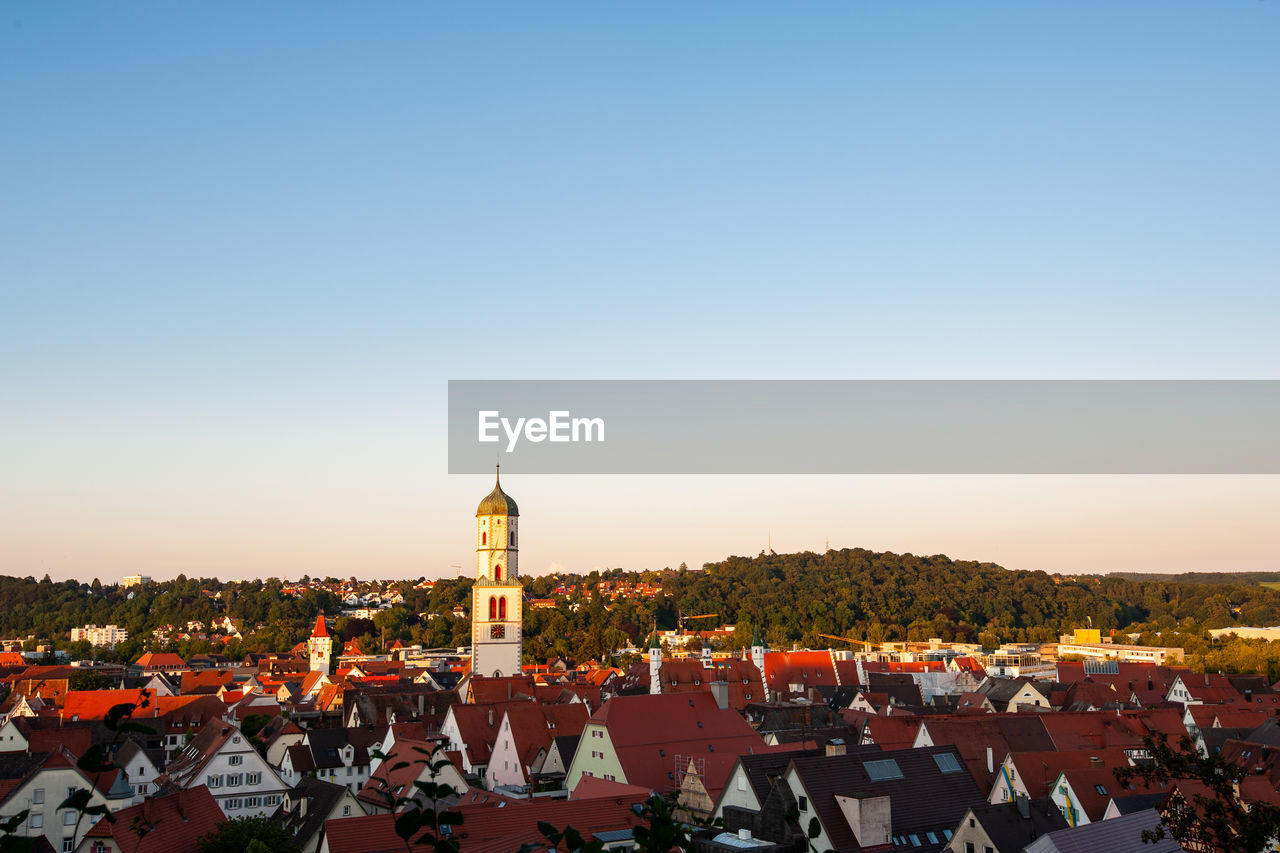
(1218, 821)
(236, 836)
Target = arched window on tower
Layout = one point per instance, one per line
(497, 572)
(484, 538)
(512, 534)
(493, 607)
(502, 608)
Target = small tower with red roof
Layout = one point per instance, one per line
(320, 646)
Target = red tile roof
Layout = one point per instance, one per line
(95, 704)
(320, 630)
(178, 821)
(650, 733)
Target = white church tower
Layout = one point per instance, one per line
(320, 646)
(497, 599)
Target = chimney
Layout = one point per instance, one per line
(1024, 806)
(836, 746)
(744, 834)
(868, 815)
(490, 718)
(1095, 762)
(991, 767)
(720, 690)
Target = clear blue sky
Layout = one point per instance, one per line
(244, 246)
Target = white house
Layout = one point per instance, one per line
(244, 784)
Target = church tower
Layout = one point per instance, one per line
(497, 599)
(320, 646)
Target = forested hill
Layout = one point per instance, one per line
(790, 598)
(875, 596)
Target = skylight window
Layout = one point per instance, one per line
(946, 762)
(883, 769)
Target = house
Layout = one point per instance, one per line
(225, 760)
(1006, 694)
(1005, 827)
(339, 756)
(174, 822)
(1121, 835)
(1032, 774)
(1208, 689)
(46, 783)
(753, 776)
(141, 768)
(909, 798)
(649, 741)
(1082, 794)
(392, 786)
(473, 731)
(308, 805)
(524, 741)
(165, 663)
(983, 741)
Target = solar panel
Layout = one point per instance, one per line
(947, 762)
(1101, 667)
(885, 768)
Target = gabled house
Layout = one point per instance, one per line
(753, 776)
(909, 799)
(408, 763)
(1082, 794)
(1005, 827)
(339, 756)
(308, 805)
(983, 741)
(1121, 835)
(649, 741)
(141, 766)
(1032, 774)
(1007, 694)
(49, 779)
(524, 741)
(223, 759)
(473, 730)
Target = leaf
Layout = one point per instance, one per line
(94, 759)
(408, 822)
(77, 799)
(815, 828)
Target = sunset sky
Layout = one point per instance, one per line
(243, 248)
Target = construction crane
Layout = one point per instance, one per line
(682, 618)
(847, 640)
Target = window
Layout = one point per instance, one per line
(233, 803)
(484, 538)
(1100, 789)
(497, 571)
(914, 839)
(346, 811)
(68, 818)
(933, 838)
(804, 804)
(946, 762)
(883, 769)
(252, 778)
(233, 760)
(493, 608)
(502, 608)
(986, 848)
(69, 844)
(969, 848)
(512, 537)
(252, 802)
(234, 779)
(36, 821)
(37, 797)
